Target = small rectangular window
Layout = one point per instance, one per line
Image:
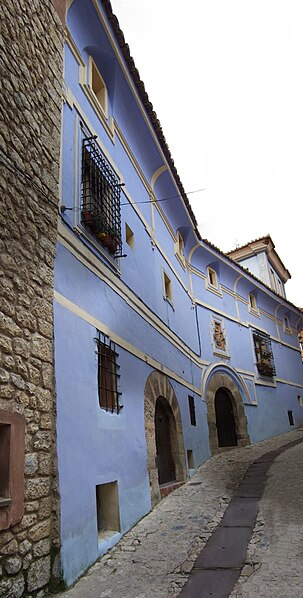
(108, 517)
(252, 302)
(212, 278)
(129, 237)
(291, 418)
(167, 287)
(107, 374)
(192, 411)
(190, 459)
(286, 324)
(97, 85)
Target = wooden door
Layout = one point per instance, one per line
(225, 419)
(165, 463)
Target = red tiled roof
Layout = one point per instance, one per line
(159, 133)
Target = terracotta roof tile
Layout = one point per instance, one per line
(159, 132)
(148, 106)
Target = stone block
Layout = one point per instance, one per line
(41, 548)
(4, 376)
(25, 547)
(45, 464)
(18, 586)
(46, 422)
(12, 565)
(21, 347)
(44, 399)
(10, 548)
(37, 488)
(42, 440)
(41, 347)
(39, 531)
(38, 574)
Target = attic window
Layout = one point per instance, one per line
(252, 302)
(180, 243)
(129, 237)
(179, 250)
(97, 85)
(212, 278)
(167, 287)
(286, 324)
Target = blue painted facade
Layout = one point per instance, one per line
(164, 324)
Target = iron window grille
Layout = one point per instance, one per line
(264, 355)
(100, 198)
(108, 375)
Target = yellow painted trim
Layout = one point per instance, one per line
(131, 157)
(282, 381)
(146, 225)
(133, 89)
(277, 319)
(193, 270)
(236, 294)
(166, 222)
(300, 319)
(110, 131)
(95, 265)
(156, 175)
(68, 5)
(118, 340)
(209, 371)
(220, 312)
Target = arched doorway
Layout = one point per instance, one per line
(160, 402)
(163, 423)
(225, 419)
(228, 382)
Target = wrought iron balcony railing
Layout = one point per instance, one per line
(100, 198)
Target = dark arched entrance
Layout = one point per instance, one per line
(164, 420)
(225, 419)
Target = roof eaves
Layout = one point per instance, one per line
(148, 106)
(225, 255)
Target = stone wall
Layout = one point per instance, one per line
(31, 45)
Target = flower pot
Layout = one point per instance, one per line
(109, 241)
(88, 219)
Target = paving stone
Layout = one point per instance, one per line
(225, 548)
(241, 512)
(177, 529)
(210, 584)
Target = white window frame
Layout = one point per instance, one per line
(129, 237)
(252, 305)
(179, 250)
(286, 325)
(103, 105)
(213, 286)
(167, 287)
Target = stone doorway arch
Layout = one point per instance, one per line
(220, 377)
(158, 386)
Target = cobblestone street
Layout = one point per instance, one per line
(155, 558)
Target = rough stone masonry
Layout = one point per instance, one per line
(31, 46)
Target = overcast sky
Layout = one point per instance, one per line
(226, 80)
